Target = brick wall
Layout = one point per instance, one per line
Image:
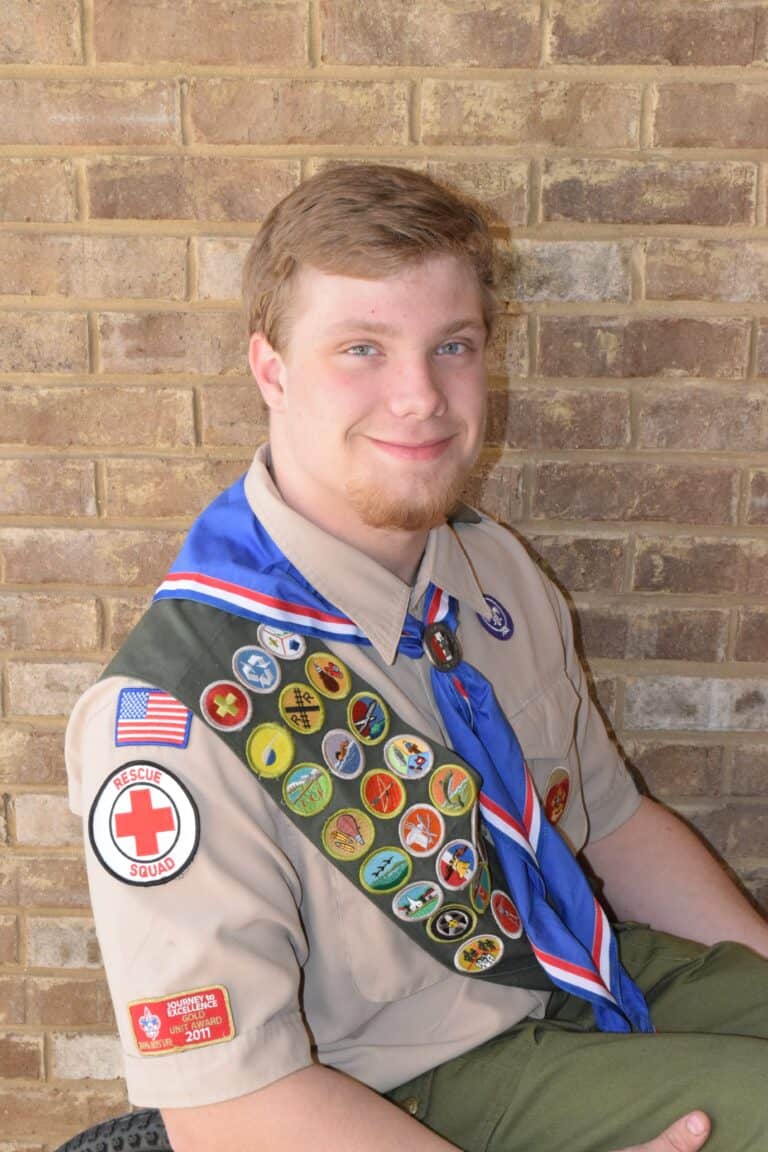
(140, 144)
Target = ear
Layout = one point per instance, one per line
(268, 370)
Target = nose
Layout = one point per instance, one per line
(416, 390)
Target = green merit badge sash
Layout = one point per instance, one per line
(394, 812)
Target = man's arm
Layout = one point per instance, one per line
(657, 871)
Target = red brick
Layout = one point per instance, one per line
(497, 490)
(736, 830)
(52, 623)
(87, 556)
(187, 188)
(166, 487)
(603, 692)
(64, 1002)
(44, 689)
(507, 352)
(123, 615)
(634, 491)
(674, 770)
(99, 415)
(696, 703)
(232, 415)
(643, 346)
(21, 1057)
(49, 33)
(442, 34)
(9, 944)
(609, 191)
(12, 1000)
(701, 419)
(53, 882)
(757, 510)
(30, 757)
(32, 189)
(43, 342)
(652, 32)
(87, 112)
(750, 770)
(751, 634)
(678, 269)
(701, 566)
(552, 418)
(568, 114)
(9, 880)
(582, 563)
(711, 115)
(53, 1114)
(247, 111)
(568, 270)
(634, 633)
(201, 32)
(93, 266)
(762, 349)
(42, 487)
(500, 185)
(208, 343)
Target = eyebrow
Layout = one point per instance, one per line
(365, 324)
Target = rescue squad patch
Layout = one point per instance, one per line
(191, 1019)
(144, 825)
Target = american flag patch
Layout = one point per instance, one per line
(151, 716)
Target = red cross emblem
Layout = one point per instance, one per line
(144, 822)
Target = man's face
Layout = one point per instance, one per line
(378, 411)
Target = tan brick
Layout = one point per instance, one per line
(62, 942)
(49, 33)
(42, 487)
(187, 188)
(21, 1057)
(54, 1115)
(443, 34)
(750, 770)
(66, 1001)
(100, 415)
(23, 1147)
(93, 266)
(30, 757)
(507, 352)
(220, 267)
(572, 114)
(559, 418)
(43, 342)
(166, 487)
(608, 191)
(634, 491)
(124, 614)
(757, 510)
(201, 32)
(679, 769)
(12, 1000)
(603, 692)
(87, 556)
(643, 346)
(497, 490)
(681, 32)
(762, 349)
(47, 689)
(701, 566)
(702, 419)
(736, 829)
(679, 269)
(538, 270)
(582, 563)
(52, 882)
(232, 415)
(32, 189)
(633, 633)
(501, 186)
(45, 821)
(9, 943)
(751, 634)
(711, 115)
(209, 343)
(52, 623)
(78, 1057)
(246, 111)
(9, 879)
(87, 112)
(703, 704)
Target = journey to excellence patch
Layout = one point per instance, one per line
(191, 1019)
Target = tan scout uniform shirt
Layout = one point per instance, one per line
(313, 969)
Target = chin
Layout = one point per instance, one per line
(417, 508)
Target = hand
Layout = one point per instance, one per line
(686, 1135)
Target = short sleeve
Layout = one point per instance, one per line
(196, 906)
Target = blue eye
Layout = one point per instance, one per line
(360, 350)
(452, 347)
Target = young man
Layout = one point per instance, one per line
(323, 882)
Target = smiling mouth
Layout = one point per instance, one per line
(426, 450)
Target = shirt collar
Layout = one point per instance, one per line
(374, 598)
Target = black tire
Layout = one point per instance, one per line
(136, 1132)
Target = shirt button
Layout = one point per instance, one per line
(411, 1104)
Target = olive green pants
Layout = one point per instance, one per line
(557, 1085)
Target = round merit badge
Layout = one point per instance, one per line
(225, 705)
(385, 870)
(328, 675)
(556, 795)
(498, 621)
(301, 708)
(342, 753)
(368, 717)
(479, 954)
(348, 834)
(456, 864)
(256, 668)
(418, 901)
(409, 756)
(307, 789)
(269, 750)
(422, 830)
(451, 790)
(284, 643)
(452, 922)
(506, 915)
(144, 825)
(382, 794)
